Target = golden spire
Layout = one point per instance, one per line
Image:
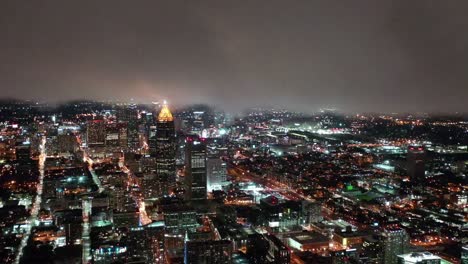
(165, 115)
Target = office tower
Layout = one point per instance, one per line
(166, 149)
(23, 157)
(153, 186)
(195, 168)
(216, 172)
(278, 253)
(67, 143)
(96, 133)
(395, 242)
(116, 135)
(23, 152)
(464, 254)
(372, 248)
(179, 218)
(151, 135)
(312, 212)
(145, 244)
(257, 248)
(415, 164)
(197, 123)
(208, 251)
(128, 114)
(146, 122)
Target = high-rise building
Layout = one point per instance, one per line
(216, 172)
(129, 114)
(464, 254)
(67, 143)
(153, 186)
(166, 149)
(23, 157)
(395, 242)
(415, 164)
(195, 168)
(372, 248)
(96, 133)
(126, 112)
(145, 244)
(278, 253)
(312, 212)
(116, 135)
(197, 123)
(151, 135)
(208, 251)
(179, 219)
(148, 129)
(23, 152)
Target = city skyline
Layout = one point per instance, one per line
(131, 183)
(233, 132)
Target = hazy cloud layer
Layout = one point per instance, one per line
(355, 55)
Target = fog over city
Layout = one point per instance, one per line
(389, 56)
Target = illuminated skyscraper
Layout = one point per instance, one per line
(216, 173)
(151, 131)
(395, 242)
(312, 212)
(129, 114)
(116, 135)
(195, 168)
(415, 164)
(166, 149)
(96, 133)
(216, 169)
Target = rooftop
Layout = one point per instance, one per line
(418, 257)
(165, 115)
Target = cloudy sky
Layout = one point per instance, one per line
(352, 55)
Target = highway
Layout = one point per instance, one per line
(32, 220)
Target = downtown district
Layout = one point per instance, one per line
(93, 182)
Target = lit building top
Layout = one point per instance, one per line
(418, 257)
(165, 115)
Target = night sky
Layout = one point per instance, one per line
(371, 55)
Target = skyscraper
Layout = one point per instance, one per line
(195, 168)
(116, 135)
(146, 245)
(464, 254)
(312, 212)
(415, 164)
(151, 134)
(216, 171)
(395, 242)
(23, 152)
(129, 114)
(208, 251)
(96, 133)
(166, 149)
